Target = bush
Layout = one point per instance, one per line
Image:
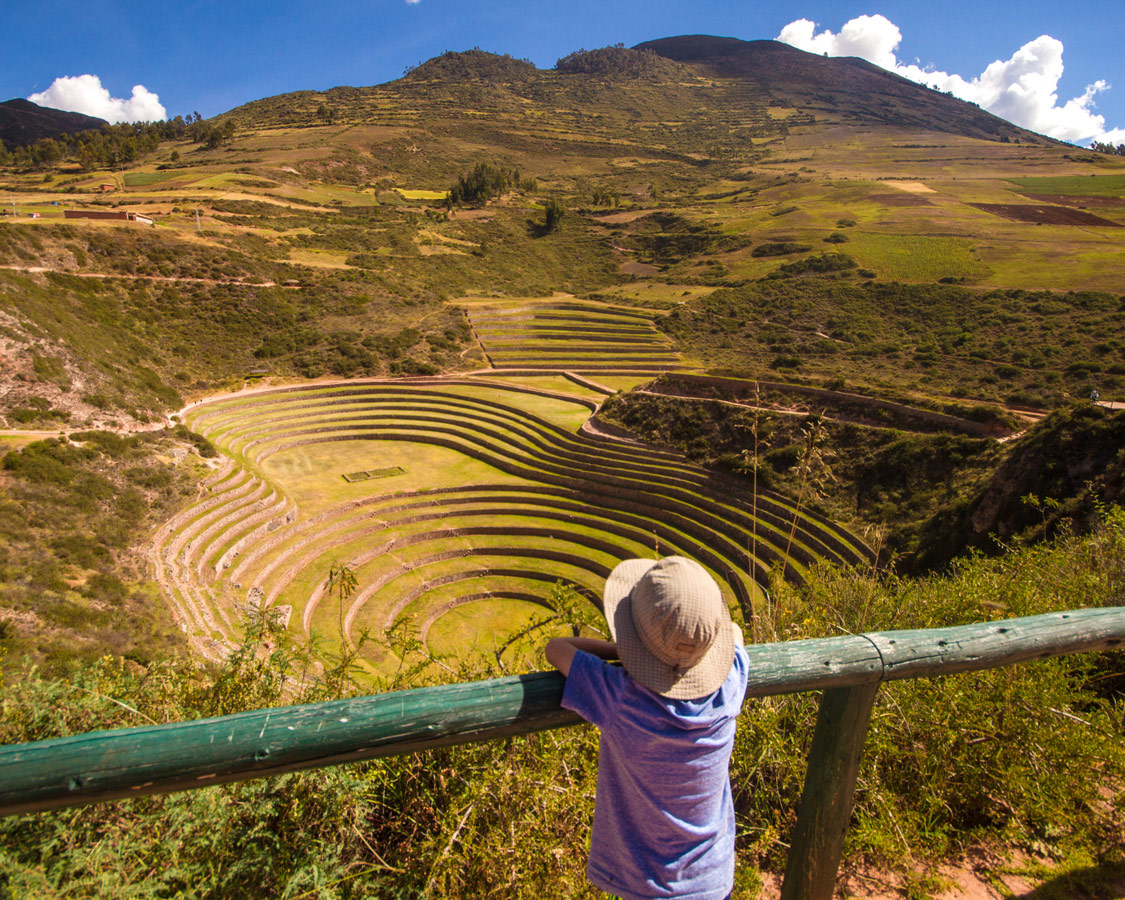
(779, 248)
(825, 262)
(410, 366)
(553, 214)
(203, 446)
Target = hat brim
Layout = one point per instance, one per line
(704, 678)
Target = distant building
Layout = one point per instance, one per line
(124, 215)
(106, 188)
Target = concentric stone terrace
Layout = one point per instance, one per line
(458, 504)
(571, 335)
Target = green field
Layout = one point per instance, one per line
(1075, 185)
(143, 179)
(917, 257)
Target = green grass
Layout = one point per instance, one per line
(479, 628)
(1075, 185)
(419, 194)
(310, 474)
(142, 179)
(916, 258)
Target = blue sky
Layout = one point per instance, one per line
(211, 56)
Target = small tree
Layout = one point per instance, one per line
(553, 213)
(814, 472)
(341, 582)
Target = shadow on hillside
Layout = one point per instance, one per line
(1101, 882)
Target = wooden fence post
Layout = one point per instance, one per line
(826, 802)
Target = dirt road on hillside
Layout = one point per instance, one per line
(38, 270)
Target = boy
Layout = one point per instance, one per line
(663, 816)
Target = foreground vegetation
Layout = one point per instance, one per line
(1029, 756)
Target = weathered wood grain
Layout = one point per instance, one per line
(943, 651)
(826, 802)
(129, 762)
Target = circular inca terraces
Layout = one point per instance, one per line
(433, 537)
(460, 505)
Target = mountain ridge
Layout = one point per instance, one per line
(827, 85)
(697, 70)
(23, 122)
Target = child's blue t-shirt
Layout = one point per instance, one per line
(663, 816)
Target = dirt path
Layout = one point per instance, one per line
(36, 270)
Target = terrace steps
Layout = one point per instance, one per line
(567, 507)
(584, 337)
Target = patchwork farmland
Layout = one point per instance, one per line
(461, 505)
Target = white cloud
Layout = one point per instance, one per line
(872, 37)
(85, 94)
(1022, 89)
(413, 2)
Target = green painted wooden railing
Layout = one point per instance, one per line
(129, 762)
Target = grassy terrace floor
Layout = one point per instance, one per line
(492, 497)
(561, 333)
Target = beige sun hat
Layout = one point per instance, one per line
(672, 627)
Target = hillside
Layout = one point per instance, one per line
(23, 122)
(688, 166)
(835, 90)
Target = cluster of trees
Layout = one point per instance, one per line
(1113, 150)
(486, 182)
(612, 61)
(115, 145)
(603, 196)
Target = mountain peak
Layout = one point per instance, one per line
(473, 65)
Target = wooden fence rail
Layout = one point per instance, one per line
(129, 762)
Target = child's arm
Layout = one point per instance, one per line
(560, 651)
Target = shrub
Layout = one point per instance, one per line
(782, 459)
(553, 214)
(779, 248)
(203, 446)
(825, 262)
